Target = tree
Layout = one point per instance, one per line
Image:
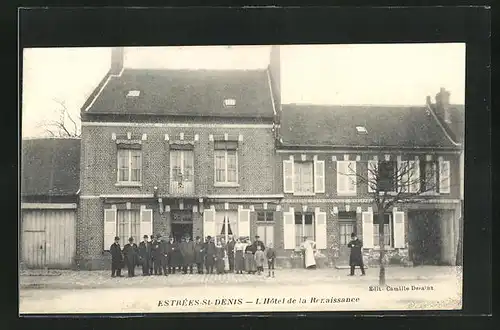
(391, 183)
(66, 125)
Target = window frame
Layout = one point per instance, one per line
(129, 223)
(296, 182)
(435, 177)
(298, 242)
(226, 183)
(129, 181)
(352, 178)
(376, 231)
(395, 183)
(265, 212)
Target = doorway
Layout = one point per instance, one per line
(425, 237)
(347, 226)
(180, 230)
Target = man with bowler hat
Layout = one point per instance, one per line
(130, 252)
(145, 255)
(199, 254)
(356, 257)
(116, 258)
(210, 251)
(157, 254)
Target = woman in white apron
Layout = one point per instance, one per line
(308, 246)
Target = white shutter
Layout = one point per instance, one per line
(109, 227)
(146, 222)
(341, 177)
(209, 223)
(444, 177)
(352, 177)
(288, 173)
(367, 227)
(244, 222)
(372, 175)
(289, 229)
(415, 176)
(320, 230)
(319, 176)
(399, 229)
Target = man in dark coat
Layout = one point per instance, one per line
(210, 252)
(157, 255)
(188, 251)
(130, 252)
(199, 254)
(230, 252)
(151, 262)
(356, 257)
(116, 258)
(173, 255)
(145, 255)
(256, 243)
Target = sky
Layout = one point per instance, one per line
(383, 74)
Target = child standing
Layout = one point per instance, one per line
(260, 258)
(271, 256)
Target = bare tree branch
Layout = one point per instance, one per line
(66, 125)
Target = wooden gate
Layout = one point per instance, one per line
(48, 238)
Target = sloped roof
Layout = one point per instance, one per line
(386, 126)
(186, 93)
(50, 167)
(457, 114)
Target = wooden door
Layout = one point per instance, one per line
(346, 228)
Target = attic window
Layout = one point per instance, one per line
(133, 93)
(229, 102)
(361, 130)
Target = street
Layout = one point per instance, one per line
(305, 291)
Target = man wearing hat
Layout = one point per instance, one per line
(157, 254)
(130, 252)
(145, 255)
(356, 257)
(151, 265)
(199, 254)
(116, 258)
(256, 243)
(230, 252)
(210, 251)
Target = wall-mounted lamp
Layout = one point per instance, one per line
(155, 191)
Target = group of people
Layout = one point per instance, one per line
(163, 257)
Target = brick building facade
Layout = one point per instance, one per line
(176, 152)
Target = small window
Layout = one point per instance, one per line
(361, 129)
(263, 216)
(133, 93)
(229, 102)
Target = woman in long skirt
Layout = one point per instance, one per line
(219, 261)
(239, 260)
(250, 265)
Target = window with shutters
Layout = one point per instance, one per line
(226, 163)
(129, 166)
(304, 226)
(388, 240)
(303, 178)
(429, 177)
(265, 216)
(346, 178)
(444, 177)
(128, 225)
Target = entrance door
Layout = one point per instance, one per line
(180, 230)
(347, 226)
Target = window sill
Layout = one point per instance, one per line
(303, 194)
(226, 185)
(347, 194)
(128, 184)
(265, 222)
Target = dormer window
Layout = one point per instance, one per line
(361, 130)
(133, 93)
(229, 102)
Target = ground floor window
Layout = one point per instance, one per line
(304, 226)
(388, 241)
(226, 223)
(266, 233)
(128, 225)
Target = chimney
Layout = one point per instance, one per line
(275, 73)
(443, 105)
(117, 54)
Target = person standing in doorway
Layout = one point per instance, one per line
(256, 243)
(199, 255)
(271, 257)
(116, 258)
(130, 252)
(356, 257)
(230, 252)
(187, 249)
(145, 255)
(210, 255)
